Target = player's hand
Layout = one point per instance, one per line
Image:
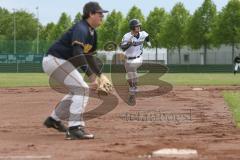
(131, 40)
(149, 44)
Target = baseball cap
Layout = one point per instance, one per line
(93, 7)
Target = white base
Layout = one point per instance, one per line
(173, 152)
(197, 89)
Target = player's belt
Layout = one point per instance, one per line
(134, 57)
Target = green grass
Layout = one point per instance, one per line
(179, 79)
(232, 99)
(206, 79)
(23, 79)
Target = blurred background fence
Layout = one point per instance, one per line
(26, 56)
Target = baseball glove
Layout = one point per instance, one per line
(104, 85)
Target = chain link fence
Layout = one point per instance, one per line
(23, 47)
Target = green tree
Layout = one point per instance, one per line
(26, 26)
(78, 17)
(174, 32)
(201, 26)
(5, 18)
(45, 37)
(62, 26)
(109, 31)
(46, 32)
(154, 26)
(228, 25)
(134, 13)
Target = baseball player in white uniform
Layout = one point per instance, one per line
(132, 44)
(236, 64)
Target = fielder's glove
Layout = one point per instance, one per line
(104, 85)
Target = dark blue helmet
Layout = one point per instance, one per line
(134, 23)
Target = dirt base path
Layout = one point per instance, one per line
(182, 118)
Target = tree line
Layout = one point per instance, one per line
(203, 29)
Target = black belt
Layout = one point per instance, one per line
(134, 57)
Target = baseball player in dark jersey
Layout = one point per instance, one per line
(75, 48)
(237, 64)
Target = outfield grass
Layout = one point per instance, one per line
(23, 79)
(232, 99)
(206, 79)
(179, 79)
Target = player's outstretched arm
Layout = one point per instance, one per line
(125, 45)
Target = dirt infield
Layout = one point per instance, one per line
(182, 118)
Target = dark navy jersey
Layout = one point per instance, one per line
(79, 34)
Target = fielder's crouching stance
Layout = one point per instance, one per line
(75, 48)
(132, 44)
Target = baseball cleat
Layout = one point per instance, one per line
(132, 100)
(77, 133)
(52, 123)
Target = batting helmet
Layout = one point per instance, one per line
(134, 23)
